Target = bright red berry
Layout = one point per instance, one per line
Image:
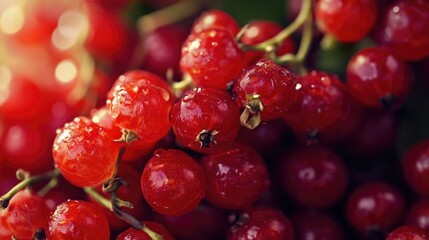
(236, 178)
(416, 167)
(314, 176)
(216, 19)
(85, 153)
(376, 78)
(26, 213)
(136, 234)
(265, 89)
(78, 220)
(172, 182)
(407, 233)
(141, 103)
(212, 58)
(346, 20)
(205, 120)
(403, 29)
(375, 207)
(260, 223)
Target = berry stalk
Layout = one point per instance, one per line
(4, 200)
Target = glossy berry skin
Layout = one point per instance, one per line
(374, 206)
(85, 153)
(77, 219)
(273, 84)
(141, 103)
(322, 103)
(135, 234)
(377, 78)
(314, 177)
(235, 178)
(416, 169)
(260, 223)
(418, 214)
(407, 233)
(26, 213)
(260, 30)
(172, 182)
(212, 58)
(216, 19)
(205, 109)
(403, 29)
(316, 225)
(346, 20)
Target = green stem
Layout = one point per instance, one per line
(168, 15)
(304, 14)
(48, 187)
(4, 200)
(113, 206)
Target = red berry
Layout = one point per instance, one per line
(403, 29)
(141, 103)
(314, 176)
(172, 182)
(376, 78)
(85, 153)
(235, 178)
(25, 213)
(161, 49)
(416, 167)
(203, 222)
(78, 220)
(216, 19)
(322, 103)
(259, 31)
(346, 20)
(261, 223)
(136, 234)
(407, 233)
(418, 214)
(375, 206)
(316, 225)
(205, 120)
(266, 88)
(212, 58)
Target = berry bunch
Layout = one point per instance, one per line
(194, 125)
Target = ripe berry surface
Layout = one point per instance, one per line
(172, 182)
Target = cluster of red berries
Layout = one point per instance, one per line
(249, 145)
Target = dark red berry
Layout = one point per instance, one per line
(376, 78)
(172, 182)
(261, 223)
(316, 225)
(416, 167)
(403, 29)
(418, 214)
(235, 178)
(205, 120)
(322, 103)
(315, 177)
(375, 207)
(407, 233)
